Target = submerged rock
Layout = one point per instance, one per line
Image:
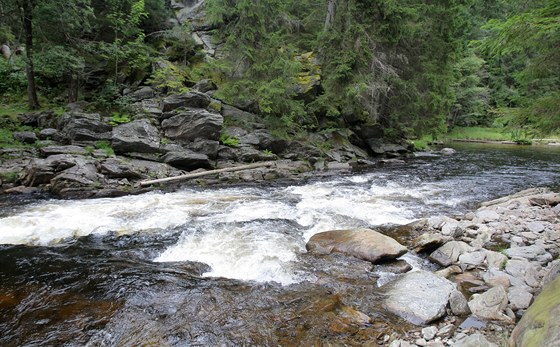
(420, 297)
(363, 244)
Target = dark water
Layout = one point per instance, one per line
(83, 272)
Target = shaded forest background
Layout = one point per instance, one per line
(412, 67)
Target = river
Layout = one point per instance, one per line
(227, 266)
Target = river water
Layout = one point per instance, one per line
(227, 266)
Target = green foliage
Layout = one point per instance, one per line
(230, 141)
(168, 78)
(268, 152)
(479, 133)
(106, 147)
(10, 176)
(118, 118)
(12, 76)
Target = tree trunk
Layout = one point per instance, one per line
(27, 19)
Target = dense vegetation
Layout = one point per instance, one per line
(414, 67)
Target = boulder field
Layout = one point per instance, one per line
(493, 278)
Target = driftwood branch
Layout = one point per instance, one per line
(205, 173)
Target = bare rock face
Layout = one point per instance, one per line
(192, 124)
(540, 325)
(82, 128)
(138, 136)
(420, 297)
(363, 244)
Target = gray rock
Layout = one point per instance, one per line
(119, 168)
(447, 151)
(83, 128)
(187, 160)
(429, 242)
(472, 260)
(419, 297)
(437, 222)
(495, 260)
(28, 137)
(49, 134)
(486, 215)
(459, 304)
(141, 94)
(490, 305)
(189, 125)
(54, 150)
(207, 147)
(449, 253)
(204, 86)
(41, 171)
(192, 99)
(474, 340)
(363, 244)
(138, 136)
(522, 270)
(535, 227)
(540, 325)
(533, 252)
(519, 297)
(552, 272)
(494, 277)
(428, 333)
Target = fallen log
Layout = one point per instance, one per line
(206, 173)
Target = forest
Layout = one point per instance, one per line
(412, 67)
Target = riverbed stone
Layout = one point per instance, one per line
(535, 227)
(363, 244)
(449, 253)
(428, 333)
(472, 260)
(486, 216)
(495, 260)
(523, 272)
(532, 252)
(494, 277)
(420, 297)
(474, 340)
(490, 305)
(459, 304)
(429, 242)
(519, 297)
(540, 325)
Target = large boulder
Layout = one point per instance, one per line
(78, 181)
(138, 136)
(540, 325)
(363, 244)
(193, 124)
(192, 99)
(81, 128)
(420, 297)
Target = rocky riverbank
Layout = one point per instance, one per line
(495, 280)
(83, 154)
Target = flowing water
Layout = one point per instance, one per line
(227, 266)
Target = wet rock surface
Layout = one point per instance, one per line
(363, 244)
